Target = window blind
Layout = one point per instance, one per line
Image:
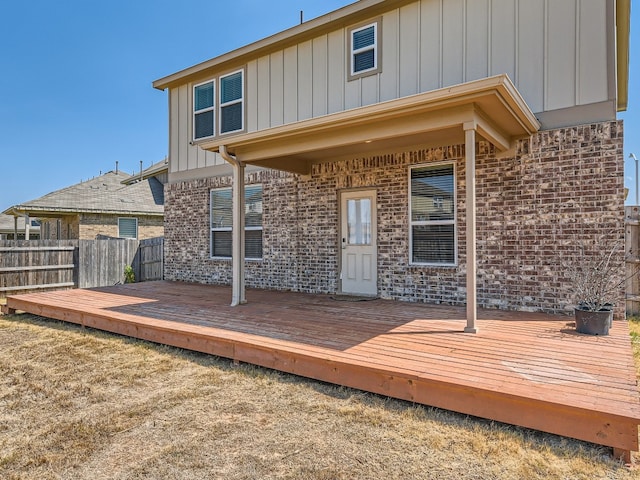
(222, 222)
(128, 227)
(433, 214)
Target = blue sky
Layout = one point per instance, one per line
(75, 80)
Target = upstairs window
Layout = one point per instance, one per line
(433, 215)
(222, 222)
(204, 110)
(364, 48)
(232, 103)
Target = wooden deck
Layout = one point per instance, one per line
(525, 369)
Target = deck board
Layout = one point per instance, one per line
(528, 369)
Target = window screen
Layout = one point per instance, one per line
(222, 222)
(433, 215)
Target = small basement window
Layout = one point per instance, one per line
(364, 58)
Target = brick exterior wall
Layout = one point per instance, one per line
(534, 211)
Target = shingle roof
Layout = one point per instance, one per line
(103, 194)
(155, 169)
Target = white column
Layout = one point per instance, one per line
(238, 287)
(470, 176)
(27, 225)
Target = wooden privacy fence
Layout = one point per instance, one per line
(632, 251)
(28, 265)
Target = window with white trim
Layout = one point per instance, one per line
(204, 110)
(364, 50)
(232, 102)
(127, 227)
(433, 214)
(222, 222)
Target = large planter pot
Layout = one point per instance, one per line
(593, 323)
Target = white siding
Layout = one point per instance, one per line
(555, 51)
(337, 71)
(592, 82)
(502, 38)
(453, 39)
(277, 89)
(477, 46)
(409, 49)
(431, 45)
(305, 80)
(290, 81)
(560, 49)
(530, 62)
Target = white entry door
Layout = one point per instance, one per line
(358, 241)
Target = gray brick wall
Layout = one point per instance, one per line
(533, 210)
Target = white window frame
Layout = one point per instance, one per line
(128, 218)
(375, 47)
(453, 222)
(204, 110)
(230, 228)
(233, 102)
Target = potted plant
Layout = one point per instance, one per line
(598, 278)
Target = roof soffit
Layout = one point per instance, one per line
(493, 106)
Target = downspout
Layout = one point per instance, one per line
(237, 233)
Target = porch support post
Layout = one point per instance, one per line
(27, 225)
(15, 227)
(470, 176)
(237, 235)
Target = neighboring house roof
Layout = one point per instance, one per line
(104, 194)
(154, 170)
(7, 224)
(365, 9)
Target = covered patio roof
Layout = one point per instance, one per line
(491, 106)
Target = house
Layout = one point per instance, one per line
(113, 204)
(446, 151)
(12, 228)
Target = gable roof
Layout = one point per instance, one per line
(104, 194)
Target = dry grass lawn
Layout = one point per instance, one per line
(81, 404)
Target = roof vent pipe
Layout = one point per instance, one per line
(116, 167)
(140, 170)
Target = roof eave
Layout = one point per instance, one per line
(20, 210)
(623, 22)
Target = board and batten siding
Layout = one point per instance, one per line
(558, 53)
